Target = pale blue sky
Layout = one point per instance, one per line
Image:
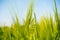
(9, 7)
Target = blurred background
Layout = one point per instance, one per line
(8, 8)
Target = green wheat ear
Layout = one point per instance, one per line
(29, 15)
(56, 13)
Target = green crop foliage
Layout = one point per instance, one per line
(32, 29)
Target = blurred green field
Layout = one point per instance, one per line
(32, 29)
